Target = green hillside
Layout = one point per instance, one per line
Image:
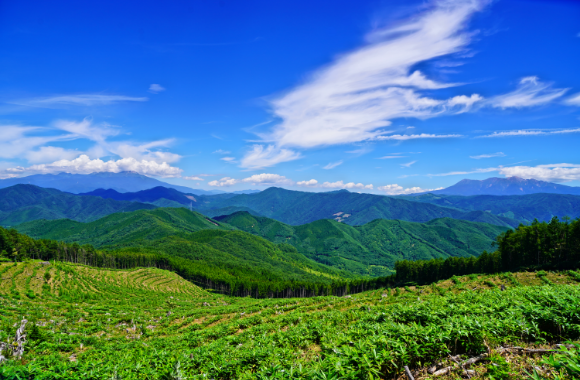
(23, 203)
(373, 248)
(213, 250)
(525, 208)
(147, 323)
(297, 208)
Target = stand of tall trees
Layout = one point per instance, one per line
(553, 245)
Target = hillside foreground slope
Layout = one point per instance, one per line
(81, 322)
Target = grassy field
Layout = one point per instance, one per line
(89, 323)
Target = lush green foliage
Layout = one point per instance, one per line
(372, 249)
(207, 252)
(539, 245)
(296, 207)
(150, 324)
(22, 203)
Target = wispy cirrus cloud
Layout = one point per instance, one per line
(491, 155)
(530, 92)
(77, 100)
(416, 136)
(360, 92)
(156, 88)
(474, 171)
(574, 100)
(408, 164)
(530, 132)
(193, 178)
(256, 179)
(332, 165)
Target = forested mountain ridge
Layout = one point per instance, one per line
(373, 248)
(22, 203)
(296, 208)
(524, 208)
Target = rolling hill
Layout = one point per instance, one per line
(224, 253)
(23, 203)
(296, 208)
(373, 248)
(506, 186)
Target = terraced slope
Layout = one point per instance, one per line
(143, 323)
(373, 248)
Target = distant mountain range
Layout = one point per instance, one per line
(23, 203)
(82, 183)
(506, 186)
(297, 207)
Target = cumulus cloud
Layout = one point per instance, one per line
(156, 88)
(84, 165)
(256, 179)
(77, 100)
(552, 172)
(349, 185)
(531, 132)
(310, 183)
(332, 165)
(395, 189)
(352, 98)
(529, 93)
(479, 157)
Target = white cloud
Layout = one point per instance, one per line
(228, 159)
(395, 189)
(389, 157)
(310, 183)
(475, 171)
(349, 185)
(408, 164)
(84, 165)
(256, 179)
(15, 141)
(551, 173)
(262, 157)
(419, 136)
(498, 154)
(86, 129)
(352, 98)
(531, 132)
(529, 93)
(332, 165)
(194, 178)
(465, 102)
(574, 100)
(77, 100)
(220, 151)
(156, 88)
(50, 154)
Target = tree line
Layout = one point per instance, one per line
(545, 245)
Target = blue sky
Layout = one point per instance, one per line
(389, 97)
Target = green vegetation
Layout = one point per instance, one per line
(22, 203)
(207, 252)
(524, 208)
(146, 323)
(296, 208)
(554, 245)
(372, 249)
